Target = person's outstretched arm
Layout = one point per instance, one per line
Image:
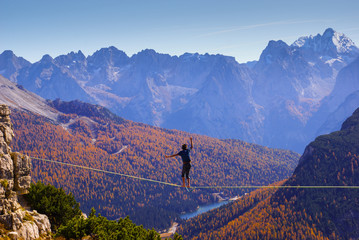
(174, 155)
(191, 142)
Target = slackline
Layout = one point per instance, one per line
(194, 187)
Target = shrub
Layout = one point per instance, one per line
(4, 183)
(101, 228)
(53, 202)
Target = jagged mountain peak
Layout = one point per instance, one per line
(150, 59)
(331, 43)
(109, 51)
(71, 58)
(147, 51)
(79, 55)
(8, 53)
(276, 44)
(10, 64)
(108, 56)
(328, 33)
(275, 50)
(46, 59)
(74, 55)
(148, 54)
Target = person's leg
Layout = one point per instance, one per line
(187, 175)
(183, 176)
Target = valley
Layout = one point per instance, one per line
(330, 160)
(123, 114)
(236, 162)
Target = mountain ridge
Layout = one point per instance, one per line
(287, 82)
(17, 97)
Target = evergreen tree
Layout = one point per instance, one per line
(100, 227)
(55, 203)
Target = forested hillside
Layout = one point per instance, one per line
(315, 213)
(99, 139)
(255, 216)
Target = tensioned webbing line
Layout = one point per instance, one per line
(105, 171)
(194, 187)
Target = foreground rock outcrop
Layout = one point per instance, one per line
(15, 169)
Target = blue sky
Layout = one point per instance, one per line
(235, 28)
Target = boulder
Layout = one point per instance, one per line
(29, 231)
(13, 235)
(42, 222)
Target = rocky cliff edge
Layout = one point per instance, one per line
(15, 170)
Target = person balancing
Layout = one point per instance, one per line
(184, 153)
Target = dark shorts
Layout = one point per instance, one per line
(185, 170)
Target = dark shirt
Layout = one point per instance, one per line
(185, 156)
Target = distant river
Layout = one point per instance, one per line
(203, 209)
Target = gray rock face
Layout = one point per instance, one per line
(15, 170)
(22, 170)
(42, 222)
(6, 163)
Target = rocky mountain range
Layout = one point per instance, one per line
(278, 101)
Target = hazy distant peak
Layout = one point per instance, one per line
(328, 33)
(276, 47)
(274, 50)
(278, 43)
(46, 58)
(71, 58)
(151, 58)
(149, 53)
(10, 64)
(330, 43)
(79, 55)
(196, 57)
(8, 53)
(110, 55)
(109, 51)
